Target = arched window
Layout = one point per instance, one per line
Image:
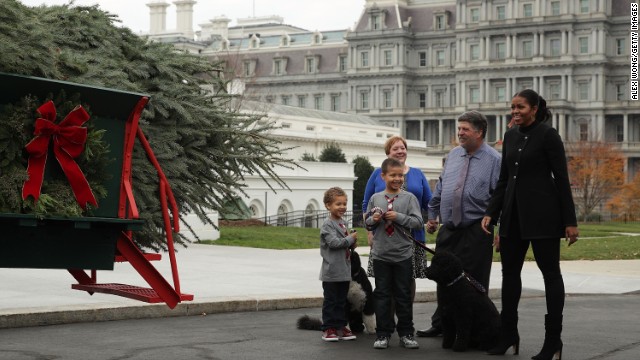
(282, 215)
(310, 219)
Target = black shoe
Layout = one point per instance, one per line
(431, 332)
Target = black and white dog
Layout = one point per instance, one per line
(469, 317)
(360, 310)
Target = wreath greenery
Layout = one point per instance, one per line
(56, 198)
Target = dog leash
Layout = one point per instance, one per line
(476, 284)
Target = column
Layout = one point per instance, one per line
(482, 45)
(563, 42)
(594, 88)
(499, 122)
(542, 44)
(554, 121)
(602, 40)
(563, 87)
(569, 87)
(562, 127)
(462, 50)
(481, 89)
(536, 44)
(488, 90)
(569, 42)
(421, 138)
(625, 128)
(487, 52)
(401, 93)
(508, 43)
(483, 14)
(543, 8)
(440, 133)
(535, 84)
(594, 41)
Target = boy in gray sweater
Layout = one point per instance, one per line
(335, 273)
(390, 214)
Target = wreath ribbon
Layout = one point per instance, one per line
(69, 138)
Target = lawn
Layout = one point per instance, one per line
(597, 241)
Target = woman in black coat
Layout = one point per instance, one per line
(534, 204)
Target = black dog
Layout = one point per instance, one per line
(360, 310)
(469, 317)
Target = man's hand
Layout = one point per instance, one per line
(432, 225)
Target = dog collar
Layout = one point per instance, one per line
(456, 279)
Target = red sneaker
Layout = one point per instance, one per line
(330, 335)
(347, 334)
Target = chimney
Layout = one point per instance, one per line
(184, 20)
(158, 16)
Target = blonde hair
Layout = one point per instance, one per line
(392, 140)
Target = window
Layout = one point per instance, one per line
(620, 46)
(500, 12)
(584, 132)
(619, 133)
(248, 68)
(317, 102)
(583, 91)
(440, 22)
(302, 101)
(527, 48)
(387, 57)
(364, 59)
(554, 47)
(554, 91)
(284, 41)
(277, 67)
(527, 10)
(474, 14)
(583, 45)
(310, 65)
(500, 50)
(620, 92)
(254, 43)
(335, 102)
(386, 99)
(317, 39)
(269, 99)
(422, 100)
(439, 98)
(584, 6)
(501, 93)
(286, 125)
(342, 63)
(474, 52)
(422, 58)
(376, 22)
(555, 8)
(364, 100)
(474, 95)
(440, 57)
(286, 100)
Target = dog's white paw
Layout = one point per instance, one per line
(369, 323)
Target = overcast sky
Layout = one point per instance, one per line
(307, 14)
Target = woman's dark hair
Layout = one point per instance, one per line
(533, 99)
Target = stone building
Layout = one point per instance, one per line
(416, 64)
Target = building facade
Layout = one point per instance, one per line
(417, 64)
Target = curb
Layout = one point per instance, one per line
(78, 314)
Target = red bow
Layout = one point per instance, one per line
(68, 143)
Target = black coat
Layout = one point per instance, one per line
(534, 175)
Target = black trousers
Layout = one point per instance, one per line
(474, 248)
(513, 250)
(393, 286)
(334, 304)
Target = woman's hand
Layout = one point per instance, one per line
(486, 224)
(571, 233)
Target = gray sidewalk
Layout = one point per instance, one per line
(225, 279)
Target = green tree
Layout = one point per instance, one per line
(204, 146)
(332, 153)
(308, 157)
(362, 170)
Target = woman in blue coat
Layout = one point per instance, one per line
(534, 204)
(414, 182)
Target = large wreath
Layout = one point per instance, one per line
(29, 128)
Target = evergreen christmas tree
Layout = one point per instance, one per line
(204, 146)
